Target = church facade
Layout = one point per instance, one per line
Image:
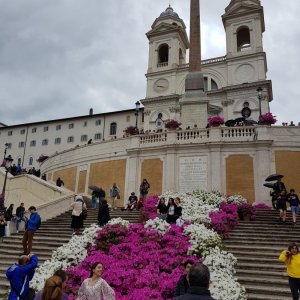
(229, 159)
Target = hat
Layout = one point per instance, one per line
(78, 198)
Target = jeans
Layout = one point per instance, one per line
(19, 219)
(295, 287)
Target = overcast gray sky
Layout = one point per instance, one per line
(58, 58)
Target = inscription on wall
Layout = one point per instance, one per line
(192, 173)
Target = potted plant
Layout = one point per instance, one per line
(215, 121)
(267, 119)
(246, 212)
(130, 130)
(172, 124)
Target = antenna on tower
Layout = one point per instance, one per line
(169, 3)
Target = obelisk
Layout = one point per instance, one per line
(194, 104)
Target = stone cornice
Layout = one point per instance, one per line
(250, 85)
(160, 98)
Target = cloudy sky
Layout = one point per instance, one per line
(59, 58)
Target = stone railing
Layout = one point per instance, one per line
(163, 64)
(207, 135)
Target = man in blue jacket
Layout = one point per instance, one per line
(19, 276)
(32, 225)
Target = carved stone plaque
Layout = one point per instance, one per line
(192, 173)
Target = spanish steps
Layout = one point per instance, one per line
(257, 246)
(52, 234)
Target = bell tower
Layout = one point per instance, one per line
(168, 44)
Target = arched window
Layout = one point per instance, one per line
(19, 160)
(30, 161)
(243, 39)
(113, 128)
(163, 54)
(214, 85)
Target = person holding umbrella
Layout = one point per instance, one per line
(277, 187)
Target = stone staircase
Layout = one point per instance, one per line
(257, 246)
(52, 234)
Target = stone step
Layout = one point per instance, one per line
(259, 242)
(274, 291)
(247, 253)
(250, 265)
(263, 281)
(255, 296)
(268, 273)
(242, 234)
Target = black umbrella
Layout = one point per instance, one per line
(94, 188)
(273, 177)
(230, 123)
(269, 185)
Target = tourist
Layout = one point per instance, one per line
(101, 195)
(279, 186)
(32, 225)
(198, 281)
(144, 188)
(140, 203)
(3, 224)
(114, 194)
(19, 276)
(77, 214)
(103, 213)
(59, 182)
(162, 209)
(20, 215)
(282, 206)
(56, 285)
(178, 209)
(94, 199)
(132, 201)
(8, 217)
(9, 213)
(182, 285)
(293, 199)
(171, 211)
(291, 259)
(96, 287)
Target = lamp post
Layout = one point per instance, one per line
(8, 162)
(137, 108)
(259, 96)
